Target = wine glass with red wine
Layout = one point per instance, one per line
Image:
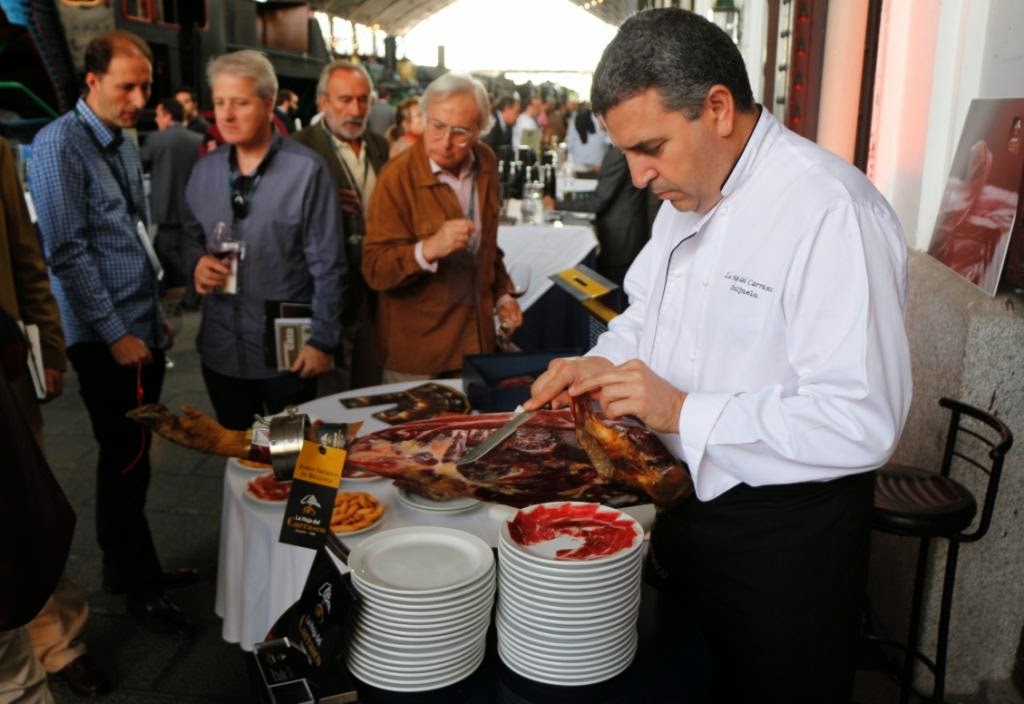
(221, 243)
(521, 274)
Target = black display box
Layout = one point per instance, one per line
(500, 382)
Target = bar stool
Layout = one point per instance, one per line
(925, 504)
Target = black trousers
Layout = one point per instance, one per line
(236, 401)
(130, 562)
(774, 577)
(170, 252)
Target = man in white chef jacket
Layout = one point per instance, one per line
(765, 343)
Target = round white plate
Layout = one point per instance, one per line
(543, 584)
(376, 524)
(242, 467)
(545, 552)
(555, 650)
(433, 600)
(574, 596)
(395, 684)
(571, 663)
(390, 619)
(420, 559)
(560, 678)
(459, 503)
(567, 631)
(569, 604)
(393, 653)
(457, 603)
(565, 569)
(423, 670)
(370, 477)
(565, 613)
(552, 618)
(438, 635)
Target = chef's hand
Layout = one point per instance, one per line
(311, 362)
(130, 350)
(210, 274)
(510, 315)
(633, 389)
(54, 383)
(453, 236)
(554, 384)
(350, 201)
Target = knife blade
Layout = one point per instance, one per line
(495, 438)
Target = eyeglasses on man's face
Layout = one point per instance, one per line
(460, 136)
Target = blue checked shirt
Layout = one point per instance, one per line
(102, 280)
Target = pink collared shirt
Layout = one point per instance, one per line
(464, 187)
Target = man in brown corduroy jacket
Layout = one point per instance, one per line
(431, 241)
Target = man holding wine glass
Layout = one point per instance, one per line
(431, 241)
(261, 230)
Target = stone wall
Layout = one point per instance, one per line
(970, 347)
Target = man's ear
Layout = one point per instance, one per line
(720, 105)
(91, 80)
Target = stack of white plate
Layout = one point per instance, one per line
(426, 596)
(570, 619)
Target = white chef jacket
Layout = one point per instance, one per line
(781, 313)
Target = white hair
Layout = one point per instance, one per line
(246, 63)
(340, 65)
(453, 83)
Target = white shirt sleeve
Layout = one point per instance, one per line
(421, 260)
(844, 297)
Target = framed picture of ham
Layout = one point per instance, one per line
(980, 207)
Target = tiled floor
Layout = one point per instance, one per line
(184, 514)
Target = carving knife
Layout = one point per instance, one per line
(496, 438)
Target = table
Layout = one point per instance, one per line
(259, 577)
(547, 250)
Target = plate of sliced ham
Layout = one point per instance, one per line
(265, 489)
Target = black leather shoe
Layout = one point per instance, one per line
(159, 615)
(84, 677)
(181, 577)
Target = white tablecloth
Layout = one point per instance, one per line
(258, 577)
(546, 249)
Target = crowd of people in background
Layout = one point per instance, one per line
(250, 209)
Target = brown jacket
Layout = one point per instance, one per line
(24, 284)
(425, 325)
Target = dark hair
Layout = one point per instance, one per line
(506, 101)
(173, 108)
(186, 89)
(676, 52)
(284, 94)
(584, 123)
(106, 44)
(396, 130)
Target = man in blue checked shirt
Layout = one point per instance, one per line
(86, 182)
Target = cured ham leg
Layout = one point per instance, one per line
(543, 461)
(198, 431)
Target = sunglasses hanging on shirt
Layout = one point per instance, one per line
(243, 187)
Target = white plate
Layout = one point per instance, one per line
(459, 503)
(598, 574)
(388, 618)
(544, 552)
(555, 619)
(237, 464)
(424, 670)
(565, 613)
(393, 653)
(455, 604)
(376, 524)
(420, 560)
(510, 571)
(438, 635)
(566, 631)
(555, 650)
(569, 605)
(572, 664)
(557, 597)
(434, 600)
(560, 678)
(395, 684)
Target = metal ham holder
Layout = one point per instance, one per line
(287, 433)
